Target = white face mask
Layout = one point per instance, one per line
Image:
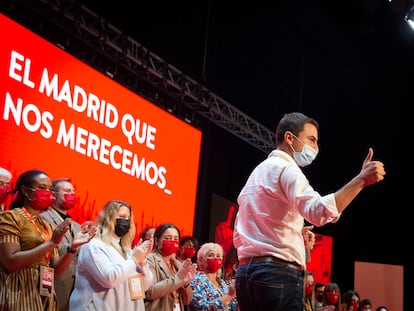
(306, 156)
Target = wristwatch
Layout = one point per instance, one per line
(71, 250)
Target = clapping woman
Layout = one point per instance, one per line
(170, 290)
(110, 275)
(210, 291)
(29, 259)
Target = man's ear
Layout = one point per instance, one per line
(289, 137)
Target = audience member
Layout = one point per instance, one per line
(210, 291)
(319, 288)
(65, 199)
(28, 247)
(331, 297)
(5, 188)
(382, 308)
(170, 289)
(365, 305)
(187, 248)
(350, 301)
(308, 301)
(273, 206)
(147, 233)
(230, 266)
(110, 275)
(309, 240)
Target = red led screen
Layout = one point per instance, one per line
(62, 116)
(321, 258)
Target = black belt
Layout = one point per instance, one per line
(273, 260)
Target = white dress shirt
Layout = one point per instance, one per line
(273, 204)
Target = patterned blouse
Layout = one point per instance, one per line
(19, 290)
(208, 297)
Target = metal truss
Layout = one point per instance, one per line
(95, 41)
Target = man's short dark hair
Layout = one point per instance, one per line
(294, 123)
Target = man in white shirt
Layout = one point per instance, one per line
(273, 205)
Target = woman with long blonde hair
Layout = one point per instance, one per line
(110, 274)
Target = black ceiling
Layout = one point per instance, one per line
(269, 58)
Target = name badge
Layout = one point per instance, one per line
(136, 287)
(46, 281)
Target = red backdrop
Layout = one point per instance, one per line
(321, 258)
(62, 116)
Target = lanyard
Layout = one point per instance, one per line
(44, 235)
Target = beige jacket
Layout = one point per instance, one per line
(166, 287)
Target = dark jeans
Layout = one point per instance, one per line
(269, 287)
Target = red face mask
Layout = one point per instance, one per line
(188, 252)
(69, 200)
(213, 264)
(41, 199)
(169, 247)
(332, 298)
(308, 289)
(355, 305)
(4, 191)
